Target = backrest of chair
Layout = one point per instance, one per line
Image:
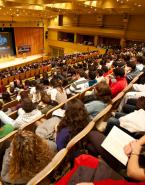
(57, 159)
(49, 113)
(36, 71)
(17, 77)
(11, 79)
(45, 68)
(73, 97)
(10, 104)
(31, 125)
(136, 78)
(102, 113)
(28, 74)
(80, 135)
(128, 88)
(118, 97)
(22, 76)
(49, 68)
(5, 81)
(41, 70)
(32, 72)
(116, 101)
(81, 96)
(8, 137)
(13, 115)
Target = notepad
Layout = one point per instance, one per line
(115, 142)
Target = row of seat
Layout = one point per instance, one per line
(29, 126)
(26, 75)
(61, 155)
(115, 103)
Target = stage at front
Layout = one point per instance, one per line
(20, 61)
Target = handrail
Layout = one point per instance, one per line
(49, 168)
(80, 135)
(8, 136)
(102, 113)
(31, 123)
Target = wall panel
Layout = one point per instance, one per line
(30, 36)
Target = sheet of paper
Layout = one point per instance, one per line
(115, 142)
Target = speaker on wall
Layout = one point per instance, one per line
(99, 20)
(60, 20)
(46, 35)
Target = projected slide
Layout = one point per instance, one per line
(6, 45)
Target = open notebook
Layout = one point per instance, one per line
(114, 143)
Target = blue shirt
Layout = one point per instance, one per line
(94, 107)
(92, 82)
(62, 138)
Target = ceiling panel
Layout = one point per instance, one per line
(46, 9)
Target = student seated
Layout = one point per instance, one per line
(133, 104)
(48, 128)
(79, 85)
(5, 110)
(130, 95)
(6, 97)
(135, 150)
(140, 62)
(133, 71)
(26, 114)
(119, 83)
(132, 122)
(45, 104)
(92, 78)
(27, 155)
(87, 168)
(36, 94)
(101, 99)
(58, 93)
(75, 119)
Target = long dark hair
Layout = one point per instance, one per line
(30, 154)
(76, 117)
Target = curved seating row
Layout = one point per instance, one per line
(26, 75)
(31, 125)
(59, 157)
(56, 161)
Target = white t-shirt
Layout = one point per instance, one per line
(25, 118)
(139, 87)
(134, 121)
(130, 95)
(58, 96)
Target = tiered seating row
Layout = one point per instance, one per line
(59, 157)
(25, 75)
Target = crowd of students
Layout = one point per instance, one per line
(109, 74)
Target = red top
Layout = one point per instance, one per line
(92, 162)
(118, 86)
(108, 73)
(82, 160)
